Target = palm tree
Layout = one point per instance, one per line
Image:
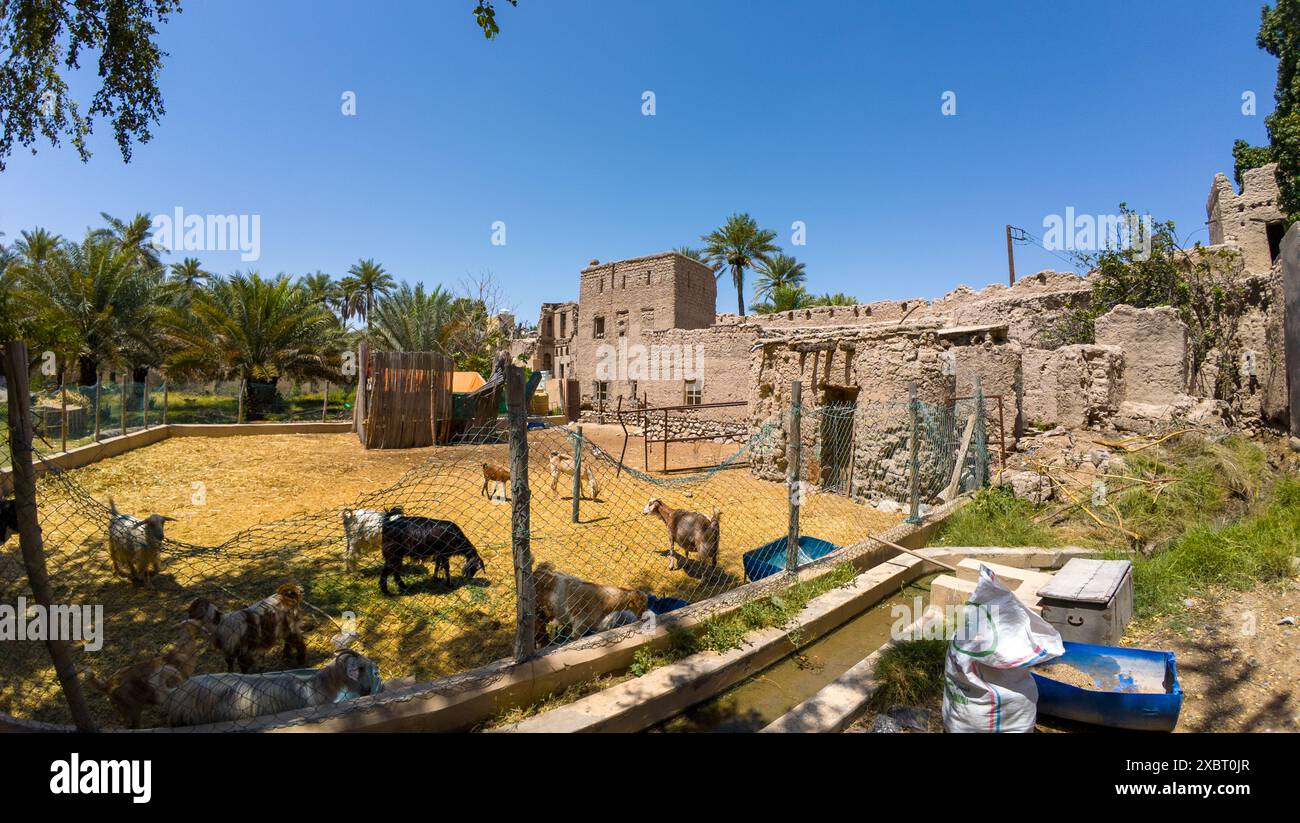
(189, 274)
(839, 298)
(258, 330)
(739, 245)
(785, 297)
(778, 270)
(134, 235)
(414, 320)
(691, 252)
(365, 280)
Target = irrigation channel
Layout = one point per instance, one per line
(761, 699)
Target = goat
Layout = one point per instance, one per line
(425, 539)
(496, 475)
(561, 463)
(577, 606)
(363, 529)
(135, 544)
(691, 531)
(239, 634)
(228, 697)
(8, 520)
(146, 683)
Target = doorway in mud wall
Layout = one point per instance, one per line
(835, 438)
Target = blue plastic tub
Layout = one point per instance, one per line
(769, 558)
(1117, 709)
(663, 605)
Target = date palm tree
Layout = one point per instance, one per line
(778, 270)
(412, 319)
(258, 330)
(189, 274)
(785, 297)
(365, 281)
(738, 245)
(134, 235)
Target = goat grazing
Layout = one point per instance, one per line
(498, 477)
(146, 683)
(691, 531)
(228, 697)
(8, 520)
(561, 463)
(577, 606)
(135, 544)
(239, 634)
(424, 538)
(364, 530)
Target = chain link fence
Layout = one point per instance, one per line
(284, 599)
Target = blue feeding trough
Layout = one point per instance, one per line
(769, 558)
(663, 605)
(1133, 688)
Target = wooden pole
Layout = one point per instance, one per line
(914, 456)
(982, 454)
(29, 529)
(1011, 258)
(166, 389)
(125, 384)
(63, 407)
(99, 380)
(325, 404)
(525, 595)
(1291, 325)
(577, 474)
(793, 456)
(239, 409)
(144, 408)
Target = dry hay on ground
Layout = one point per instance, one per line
(273, 507)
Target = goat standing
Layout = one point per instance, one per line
(691, 531)
(8, 520)
(135, 544)
(148, 682)
(364, 531)
(561, 463)
(239, 634)
(425, 538)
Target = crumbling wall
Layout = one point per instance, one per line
(1157, 353)
(1073, 386)
(1242, 220)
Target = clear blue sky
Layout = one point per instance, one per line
(825, 112)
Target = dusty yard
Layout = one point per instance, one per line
(268, 510)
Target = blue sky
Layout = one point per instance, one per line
(827, 112)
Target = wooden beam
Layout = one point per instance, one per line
(525, 594)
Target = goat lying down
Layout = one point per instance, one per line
(135, 544)
(364, 530)
(688, 530)
(229, 697)
(237, 635)
(577, 606)
(8, 520)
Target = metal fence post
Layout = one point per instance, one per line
(63, 406)
(99, 381)
(325, 405)
(793, 457)
(165, 397)
(525, 595)
(981, 421)
(914, 456)
(123, 403)
(29, 529)
(577, 473)
(144, 407)
(239, 408)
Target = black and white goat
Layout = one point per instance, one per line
(8, 520)
(425, 538)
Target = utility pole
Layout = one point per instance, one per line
(1011, 258)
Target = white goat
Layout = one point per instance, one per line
(228, 697)
(364, 530)
(135, 544)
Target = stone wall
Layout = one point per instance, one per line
(1242, 220)
(1073, 386)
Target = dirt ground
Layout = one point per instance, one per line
(269, 510)
(1239, 665)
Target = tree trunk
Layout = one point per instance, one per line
(87, 369)
(738, 278)
(260, 398)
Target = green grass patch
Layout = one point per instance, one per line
(909, 673)
(996, 517)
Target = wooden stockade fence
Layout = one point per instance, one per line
(407, 399)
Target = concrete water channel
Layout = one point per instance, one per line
(761, 699)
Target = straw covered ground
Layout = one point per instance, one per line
(269, 510)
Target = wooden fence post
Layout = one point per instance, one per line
(29, 529)
(577, 473)
(239, 409)
(125, 385)
(63, 407)
(525, 594)
(165, 398)
(982, 421)
(144, 408)
(325, 405)
(99, 381)
(793, 457)
(914, 456)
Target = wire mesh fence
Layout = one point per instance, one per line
(416, 580)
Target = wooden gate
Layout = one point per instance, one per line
(407, 399)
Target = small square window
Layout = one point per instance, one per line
(601, 392)
(694, 392)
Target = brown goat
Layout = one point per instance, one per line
(561, 463)
(496, 475)
(147, 682)
(691, 531)
(239, 634)
(577, 606)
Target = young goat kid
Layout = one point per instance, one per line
(226, 698)
(134, 544)
(561, 463)
(577, 606)
(146, 683)
(691, 531)
(269, 621)
(498, 477)
(364, 530)
(424, 538)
